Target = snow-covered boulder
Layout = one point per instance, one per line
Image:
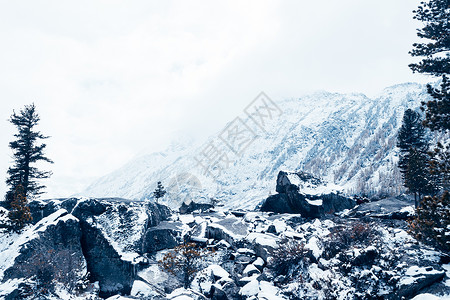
(193, 206)
(144, 290)
(185, 294)
(300, 192)
(115, 234)
(250, 270)
(401, 208)
(416, 278)
(42, 256)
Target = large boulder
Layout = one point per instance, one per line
(389, 208)
(191, 206)
(113, 271)
(300, 192)
(44, 254)
(417, 278)
(162, 236)
(114, 234)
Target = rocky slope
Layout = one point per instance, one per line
(83, 248)
(77, 242)
(346, 139)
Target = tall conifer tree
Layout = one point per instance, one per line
(432, 221)
(435, 50)
(27, 151)
(413, 162)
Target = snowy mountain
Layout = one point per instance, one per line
(346, 139)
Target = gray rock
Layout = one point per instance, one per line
(156, 239)
(366, 257)
(54, 255)
(291, 199)
(228, 229)
(411, 285)
(389, 208)
(243, 259)
(272, 229)
(192, 206)
(105, 265)
(231, 290)
(218, 293)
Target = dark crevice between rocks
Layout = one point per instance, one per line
(104, 264)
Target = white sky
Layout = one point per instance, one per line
(114, 79)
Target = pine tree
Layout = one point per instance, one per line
(159, 192)
(413, 162)
(432, 221)
(437, 112)
(19, 214)
(417, 177)
(435, 15)
(440, 166)
(411, 133)
(26, 152)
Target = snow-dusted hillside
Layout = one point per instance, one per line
(347, 139)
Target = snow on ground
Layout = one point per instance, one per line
(409, 209)
(428, 296)
(142, 290)
(9, 286)
(415, 273)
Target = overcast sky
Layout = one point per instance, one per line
(116, 79)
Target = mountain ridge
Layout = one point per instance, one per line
(347, 139)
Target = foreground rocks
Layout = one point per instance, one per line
(400, 208)
(75, 242)
(302, 193)
(49, 249)
(93, 248)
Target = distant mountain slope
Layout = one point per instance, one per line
(347, 139)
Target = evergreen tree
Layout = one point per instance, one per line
(432, 221)
(417, 177)
(413, 162)
(440, 166)
(437, 110)
(435, 15)
(26, 152)
(19, 214)
(411, 133)
(159, 192)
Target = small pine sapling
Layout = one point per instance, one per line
(159, 191)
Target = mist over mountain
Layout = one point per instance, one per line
(348, 140)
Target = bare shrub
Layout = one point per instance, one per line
(184, 261)
(344, 237)
(288, 257)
